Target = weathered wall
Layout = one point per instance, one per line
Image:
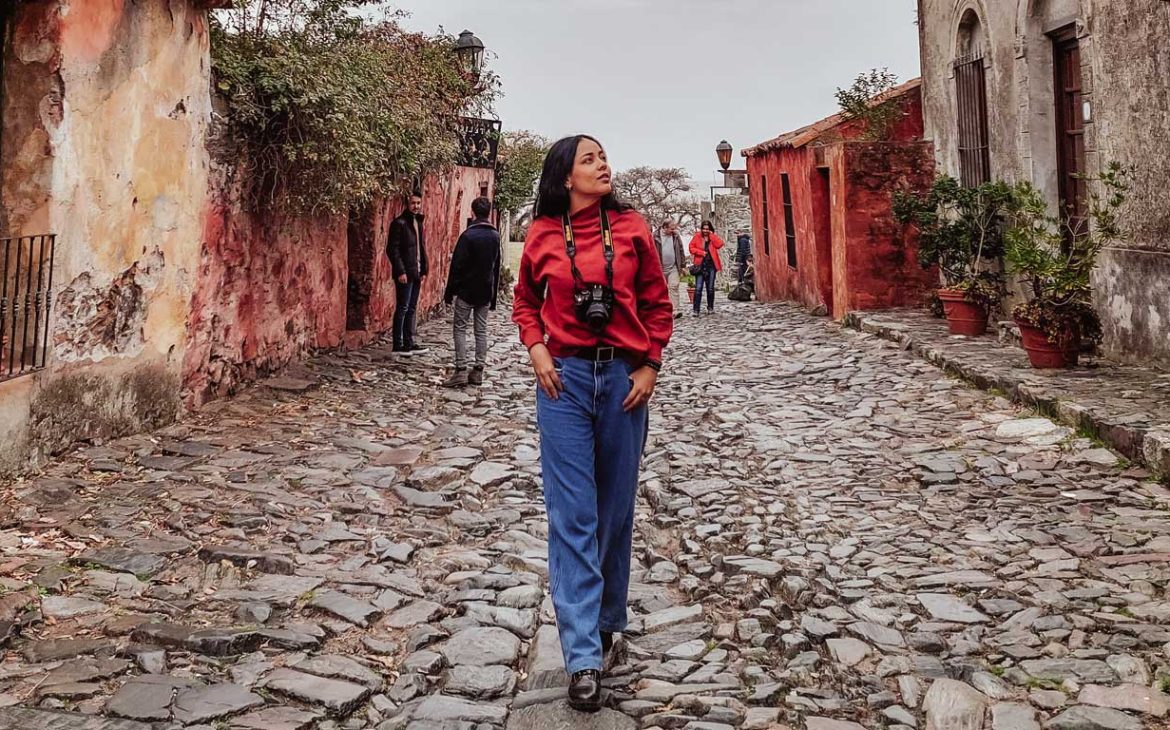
(775, 279)
(839, 273)
(1126, 77)
(103, 145)
(272, 287)
(880, 269)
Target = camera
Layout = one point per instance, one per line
(594, 306)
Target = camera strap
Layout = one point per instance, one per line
(571, 248)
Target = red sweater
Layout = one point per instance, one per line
(643, 319)
(697, 249)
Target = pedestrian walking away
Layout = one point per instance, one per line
(407, 251)
(673, 260)
(743, 252)
(472, 284)
(707, 265)
(592, 308)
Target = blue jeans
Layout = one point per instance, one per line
(706, 278)
(405, 304)
(590, 453)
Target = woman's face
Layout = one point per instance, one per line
(591, 175)
(706, 231)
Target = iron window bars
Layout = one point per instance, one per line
(26, 285)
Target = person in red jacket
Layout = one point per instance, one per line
(593, 310)
(705, 250)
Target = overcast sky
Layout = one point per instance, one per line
(660, 82)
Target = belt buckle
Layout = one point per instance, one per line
(605, 354)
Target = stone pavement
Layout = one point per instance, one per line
(832, 535)
(1126, 406)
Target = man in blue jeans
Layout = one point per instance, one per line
(406, 248)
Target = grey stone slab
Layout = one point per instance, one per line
(944, 607)
(441, 708)
(481, 647)
(336, 696)
(480, 683)
(559, 716)
(346, 607)
(275, 718)
(546, 663)
(204, 704)
(142, 564)
(26, 718)
(1084, 717)
(954, 705)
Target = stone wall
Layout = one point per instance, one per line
(1126, 78)
(273, 287)
(732, 213)
(104, 120)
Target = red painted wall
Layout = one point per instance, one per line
(271, 288)
(880, 267)
(848, 253)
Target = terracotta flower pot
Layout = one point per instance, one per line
(1043, 353)
(691, 294)
(964, 317)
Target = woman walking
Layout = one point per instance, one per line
(705, 250)
(594, 312)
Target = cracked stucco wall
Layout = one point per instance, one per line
(113, 161)
(1126, 76)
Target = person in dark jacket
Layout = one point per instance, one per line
(743, 251)
(407, 251)
(472, 284)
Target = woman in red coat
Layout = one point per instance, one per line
(705, 248)
(595, 314)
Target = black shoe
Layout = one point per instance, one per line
(585, 691)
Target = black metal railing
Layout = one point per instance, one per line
(479, 142)
(26, 285)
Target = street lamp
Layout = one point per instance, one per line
(724, 150)
(469, 49)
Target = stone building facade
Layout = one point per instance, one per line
(1046, 91)
(164, 293)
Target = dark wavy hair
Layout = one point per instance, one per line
(709, 225)
(552, 197)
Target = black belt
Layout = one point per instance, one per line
(607, 354)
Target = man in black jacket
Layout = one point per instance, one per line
(472, 284)
(407, 250)
(743, 250)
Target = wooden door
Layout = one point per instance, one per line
(1070, 128)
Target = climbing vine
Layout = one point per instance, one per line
(331, 103)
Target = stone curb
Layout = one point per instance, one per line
(1141, 444)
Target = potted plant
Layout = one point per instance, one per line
(1054, 258)
(961, 231)
(689, 279)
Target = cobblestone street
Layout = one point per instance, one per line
(831, 535)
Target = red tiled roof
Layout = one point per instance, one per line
(806, 135)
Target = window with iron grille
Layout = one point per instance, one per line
(974, 145)
(767, 224)
(789, 221)
(26, 284)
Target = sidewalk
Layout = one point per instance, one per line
(1126, 407)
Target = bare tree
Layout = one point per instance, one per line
(659, 194)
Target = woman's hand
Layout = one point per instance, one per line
(546, 371)
(644, 379)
